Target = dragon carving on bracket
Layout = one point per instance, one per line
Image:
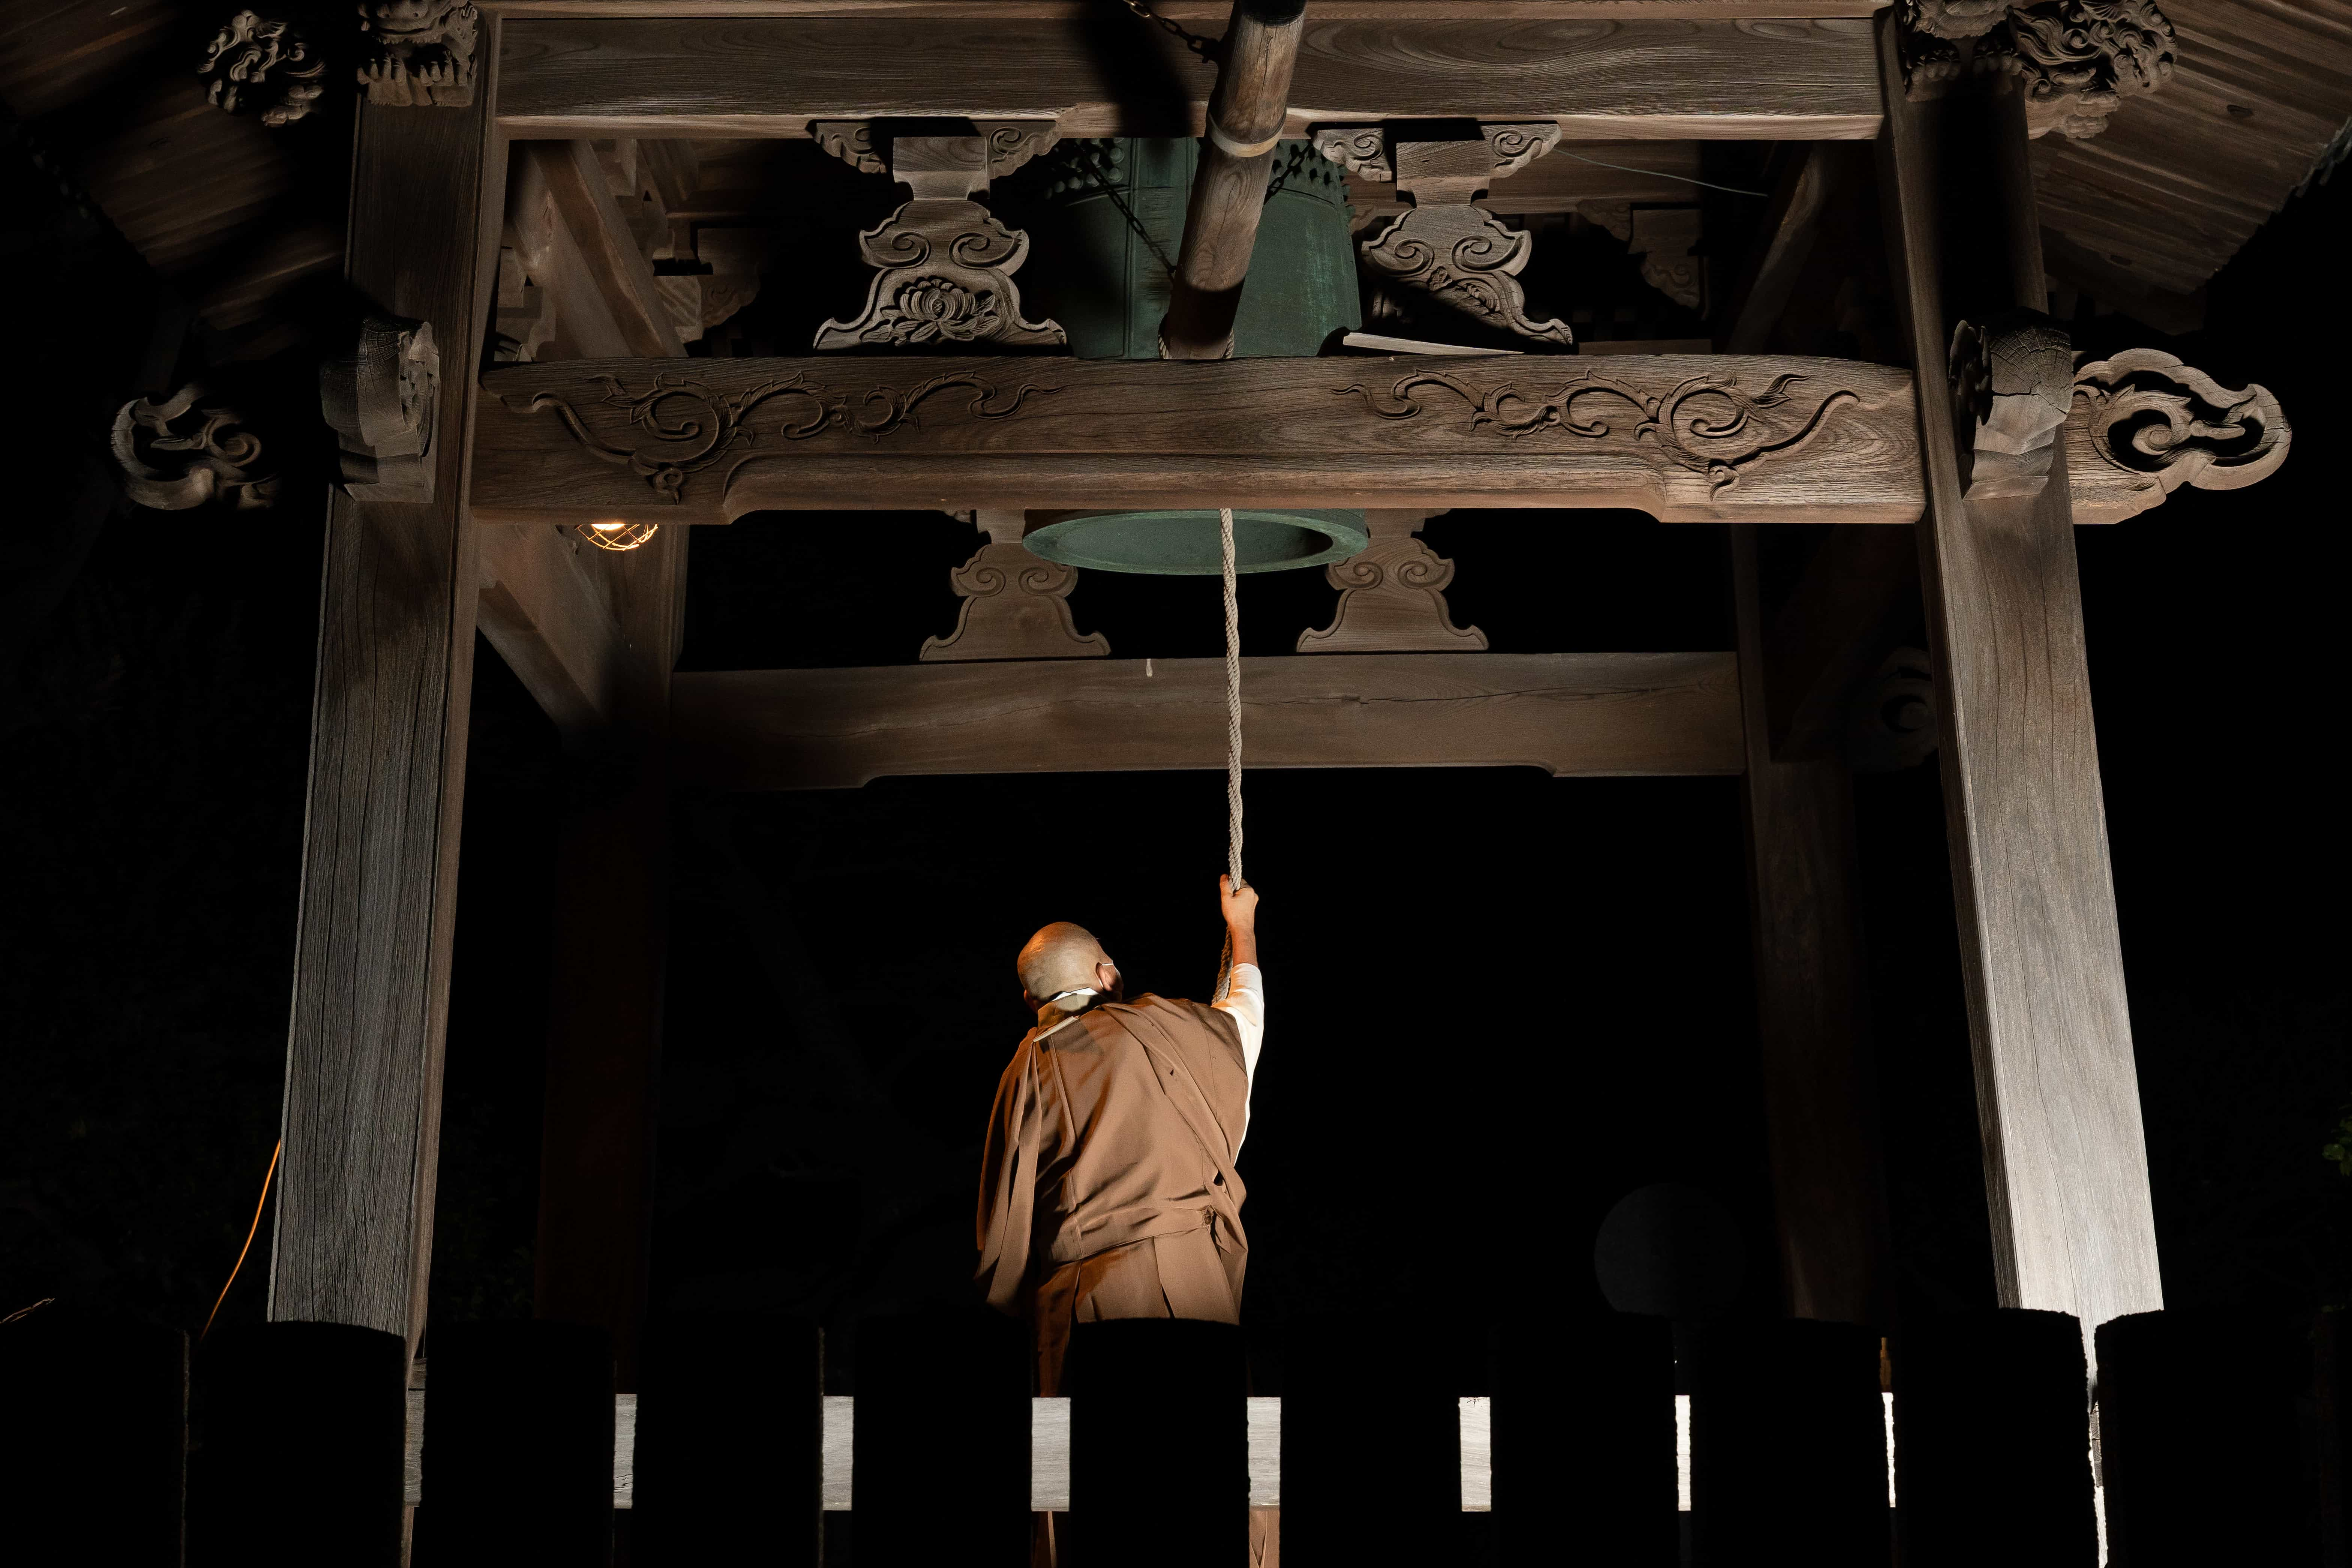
(2076, 61)
(2147, 424)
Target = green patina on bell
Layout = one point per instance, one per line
(1183, 542)
(1107, 224)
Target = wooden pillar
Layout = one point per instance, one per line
(1821, 1096)
(361, 1124)
(2057, 1095)
(1245, 118)
(612, 922)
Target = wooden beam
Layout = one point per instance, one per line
(566, 442)
(1856, 601)
(363, 1097)
(1196, 12)
(609, 266)
(1566, 179)
(1102, 73)
(2066, 1160)
(1598, 714)
(547, 611)
(1821, 1101)
(1787, 244)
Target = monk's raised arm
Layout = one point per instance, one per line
(1240, 919)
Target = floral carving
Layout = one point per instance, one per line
(2146, 415)
(688, 426)
(424, 51)
(187, 450)
(1707, 423)
(1465, 259)
(254, 61)
(944, 276)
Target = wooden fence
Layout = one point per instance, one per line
(2220, 1440)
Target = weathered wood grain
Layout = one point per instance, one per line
(547, 610)
(612, 268)
(1194, 12)
(1103, 73)
(1820, 1102)
(2057, 1093)
(1569, 714)
(363, 1097)
(1836, 442)
(1566, 178)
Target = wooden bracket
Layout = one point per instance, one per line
(1015, 605)
(1443, 245)
(943, 263)
(384, 403)
(1392, 595)
(2074, 60)
(189, 449)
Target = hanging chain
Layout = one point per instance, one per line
(1207, 48)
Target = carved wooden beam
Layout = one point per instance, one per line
(383, 402)
(424, 51)
(1686, 438)
(1638, 76)
(2144, 424)
(257, 65)
(1598, 714)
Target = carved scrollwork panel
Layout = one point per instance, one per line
(1361, 149)
(1706, 424)
(1392, 597)
(2144, 424)
(186, 450)
(1015, 606)
(255, 63)
(2076, 61)
(1465, 259)
(681, 427)
(943, 277)
(423, 52)
(1012, 143)
(382, 402)
(1514, 147)
(852, 141)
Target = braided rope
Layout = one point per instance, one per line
(1233, 700)
(1233, 735)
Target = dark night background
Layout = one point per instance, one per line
(1499, 1000)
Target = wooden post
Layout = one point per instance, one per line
(363, 1106)
(1245, 116)
(596, 1146)
(1819, 1090)
(2057, 1096)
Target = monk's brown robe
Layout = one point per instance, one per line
(1108, 1188)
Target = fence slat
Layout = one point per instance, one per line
(940, 1450)
(728, 1440)
(1994, 1404)
(1371, 1457)
(1159, 1445)
(518, 1447)
(1584, 1440)
(1787, 1445)
(297, 1431)
(2201, 1442)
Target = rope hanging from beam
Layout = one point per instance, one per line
(1233, 731)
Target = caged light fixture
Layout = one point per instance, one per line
(614, 534)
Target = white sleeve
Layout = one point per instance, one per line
(1246, 1002)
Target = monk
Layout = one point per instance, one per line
(1107, 1187)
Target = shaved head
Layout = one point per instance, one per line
(1061, 957)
